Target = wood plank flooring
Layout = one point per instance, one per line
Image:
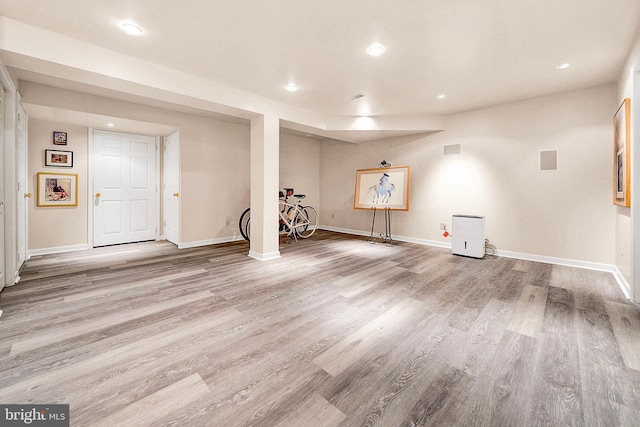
(337, 332)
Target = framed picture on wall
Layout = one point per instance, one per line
(382, 188)
(621, 155)
(58, 158)
(57, 189)
(59, 138)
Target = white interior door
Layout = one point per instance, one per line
(21, 175)
(171, 198)
(2, 254)
(125, 203)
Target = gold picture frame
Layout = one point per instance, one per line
(382, 188)
(621, 155)
(57, 189)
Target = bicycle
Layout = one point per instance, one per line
(295, 220)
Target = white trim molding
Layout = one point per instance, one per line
(622, 282)
(398, 238)
(264, 257)
(617, 275)
(207, 242)
(57, 250)
(609, 268)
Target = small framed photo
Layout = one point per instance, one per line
(57, 189)
(59, 138)
(58, 158)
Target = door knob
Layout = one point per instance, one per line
(98, 194)
(27, 195)
(175, 194)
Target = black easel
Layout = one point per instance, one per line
(386, 237)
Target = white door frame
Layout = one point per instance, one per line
(90, 192)
(176, 135)
(10, 257)
(22, 150)
(3, 249)
(635, 186)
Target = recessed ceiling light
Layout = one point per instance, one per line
(131, 28)
(441, 96)
(562, 66)
(375, 50)
(110, 125)
(364, 123)
(292, 87)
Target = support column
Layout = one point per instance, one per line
(265, 182)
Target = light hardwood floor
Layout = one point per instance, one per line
(336, 332)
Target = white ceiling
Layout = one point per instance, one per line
(478, 52)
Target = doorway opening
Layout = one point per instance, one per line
(124, 200)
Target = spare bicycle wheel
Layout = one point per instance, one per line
(244, 223)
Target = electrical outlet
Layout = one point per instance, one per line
(333, 216)
(443, 226)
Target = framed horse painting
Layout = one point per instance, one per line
(382, 188)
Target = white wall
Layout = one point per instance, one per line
(565, 213)
(623, 214)
(215, 168)
(56, 226)
(214, 161)
(300, 167)
(214, 180)
(9, 192)
(628, 248)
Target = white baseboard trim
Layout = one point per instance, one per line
(425, 242)
(622, 283)
(398, 238)
(197, 243)
(252, 254)
(264, 257)
(57, 250)
(343, 230)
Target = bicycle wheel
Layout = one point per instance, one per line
(243, 224)
(306, 222)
